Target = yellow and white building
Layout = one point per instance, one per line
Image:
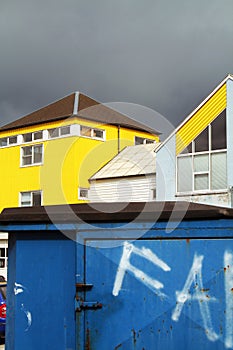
(48, 156)
(195, 163)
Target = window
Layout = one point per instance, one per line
(3, 142)
(202, 166)
(65, 130)
(142, 141)
(27, 137)
(31, 155)
(12, 140)
(33, 136)
(153, 193)
(91, 132)
(3, 256)
(85, 131)
(83, 193)
(38, 135)
(6, 141)
(29, 199)
(58, 132)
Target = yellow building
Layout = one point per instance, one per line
(48, 156)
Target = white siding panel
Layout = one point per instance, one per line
(130, 189)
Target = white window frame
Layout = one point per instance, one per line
(31, 198)
(4, 258)
(145, 140)
(59, 131)
(33, 163)
(33, 139)
(80, 197)
(192, 154)
(8, 144)
(92, 131)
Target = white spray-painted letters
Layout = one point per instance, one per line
(194, 278)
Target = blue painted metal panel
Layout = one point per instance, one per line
(160, 293)
(41, 292)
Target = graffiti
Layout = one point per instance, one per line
(125, 265)
(20, 289)
(194, 278)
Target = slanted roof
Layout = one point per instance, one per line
(77, 105)
(192, 114)
(131, 161)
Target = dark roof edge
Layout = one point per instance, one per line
(36, 123)
(114, 212)
(128, 126)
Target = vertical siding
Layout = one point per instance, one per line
(131, 189)
(198, 122)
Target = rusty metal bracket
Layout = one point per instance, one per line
(83, 286)
(87, 305)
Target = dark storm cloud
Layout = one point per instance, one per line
(166, 55)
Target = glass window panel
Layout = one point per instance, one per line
(218, 132)
(25, 199)
(202, 141)
(2, 252)
(85, 131)
(27, 137)
(38, 135)
(26, 196)
(98, 133)
(3, 142)
(27, 160)
(149, 141)
(201, 182)
(188, 149)
(139, 140)
(53, 133)
(65, 130)
(38, 154)
(27, 151)
(83, 192)
(26, 204)
(12, 140)
(184, 174)
(201, 162)
(219, 171)
(2, 263)
(36, 198)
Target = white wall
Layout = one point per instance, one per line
(127, 189)
(166, 171)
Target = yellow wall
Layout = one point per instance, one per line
(199, 121)
(68, 163)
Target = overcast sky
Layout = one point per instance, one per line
(163, 54)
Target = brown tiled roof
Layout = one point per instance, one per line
(88, 108)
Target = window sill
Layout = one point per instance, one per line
(201, 193)
(30, 165)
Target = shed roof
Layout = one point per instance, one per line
(112, 212)
(131, 161)
(77, 105)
